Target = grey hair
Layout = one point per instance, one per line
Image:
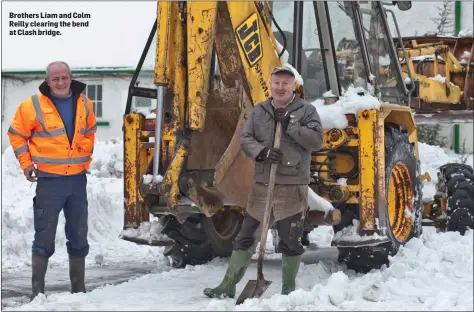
(57, 62)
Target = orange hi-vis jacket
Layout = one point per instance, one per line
(37, 135)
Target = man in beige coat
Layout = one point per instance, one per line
(302, 133)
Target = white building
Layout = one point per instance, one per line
(106, 87)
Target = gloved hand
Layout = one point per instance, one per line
(282, 116)
(271, 155)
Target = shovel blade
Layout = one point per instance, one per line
(253, 289)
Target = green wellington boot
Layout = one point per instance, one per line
(238, 264)
(290, 267)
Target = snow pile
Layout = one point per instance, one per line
(322, 236)
(107, 159)
(412, 282)
(438, 78)
(353, 100)
(342, 181)
(148, 112)
(148, 178)
(432, 157)
(106, 213)
(465, 33)
(465, 58)
(427, 57)
(316, 202)
(441, 79)
(350, 233)
(434, 273)
(149, 231)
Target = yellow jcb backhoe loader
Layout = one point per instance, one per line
(211, 63)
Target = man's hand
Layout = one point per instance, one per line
(272, 155)
(28, 172)
(282, 116)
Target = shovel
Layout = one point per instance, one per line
(256, 288)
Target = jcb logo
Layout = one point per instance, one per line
(249, 37)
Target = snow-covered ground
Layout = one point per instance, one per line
(430, 273)
(105, 187)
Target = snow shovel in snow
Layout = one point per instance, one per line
(256, 288)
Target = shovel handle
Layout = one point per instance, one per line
(268, 204)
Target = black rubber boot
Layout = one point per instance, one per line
(77, 267)
(39, 265)
(238, 264)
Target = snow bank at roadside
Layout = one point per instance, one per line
(105, 195)
(433, 272)
(432, 157)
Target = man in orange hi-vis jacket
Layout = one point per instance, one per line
(52, 135)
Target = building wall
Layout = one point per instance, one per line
(114, 98)
(465, 136)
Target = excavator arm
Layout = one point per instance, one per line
(188, 35)
(210, 66)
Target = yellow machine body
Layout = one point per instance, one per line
(213, 61)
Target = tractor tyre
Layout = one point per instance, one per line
(200, 239)
(403, 205)
(456, 182)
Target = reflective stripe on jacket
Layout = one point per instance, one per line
(37, 135)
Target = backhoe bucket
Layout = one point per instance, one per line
(217, 149)
(234, 171)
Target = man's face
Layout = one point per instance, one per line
(59, 80)
(282, 86)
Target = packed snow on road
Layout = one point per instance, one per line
(433, 272)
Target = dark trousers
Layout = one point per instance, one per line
(289, 230)
(52, 195)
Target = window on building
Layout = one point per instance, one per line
(94, 93)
